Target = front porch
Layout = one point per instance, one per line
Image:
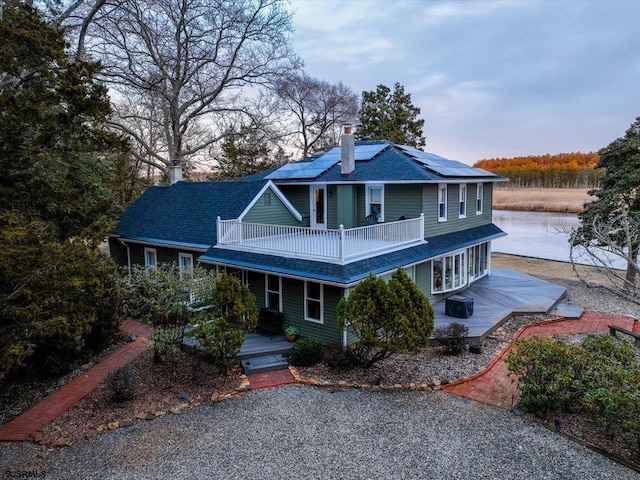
(496, 297)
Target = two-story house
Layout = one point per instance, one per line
(302, 235)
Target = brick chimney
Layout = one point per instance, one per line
(347, 158)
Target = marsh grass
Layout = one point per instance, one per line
(569, 200)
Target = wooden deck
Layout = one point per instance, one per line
(499, 295)
(259, 344)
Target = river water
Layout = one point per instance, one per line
(535, 234)
(540, 235)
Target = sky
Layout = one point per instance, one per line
(492, 78)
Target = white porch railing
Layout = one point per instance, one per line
(341, 245)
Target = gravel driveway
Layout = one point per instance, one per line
(305, 432)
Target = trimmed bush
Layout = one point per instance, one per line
(122, 383)
(306, 351)
(451, 337)
(166, 344)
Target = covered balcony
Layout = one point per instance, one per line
(342, 246)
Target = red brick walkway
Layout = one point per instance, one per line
(494, 386)
(27, 425)
(270, 379)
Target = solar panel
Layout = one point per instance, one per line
(367, 152)
(300, 170)
(443, 166)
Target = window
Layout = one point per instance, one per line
(274, 292)
(462, 211)
(442, 203)
(479, 198)
(478, 261)
(448, 273)
(267, 198)
(313, 302)
(185, 262)
(150, 259)
(375, 203)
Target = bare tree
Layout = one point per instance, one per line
(189, 67)
(318, 108)
(613, 241)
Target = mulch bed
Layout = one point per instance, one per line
(168, 388)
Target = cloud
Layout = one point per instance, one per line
(492, 78)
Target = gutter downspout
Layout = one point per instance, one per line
(128, 256)
(345, 294)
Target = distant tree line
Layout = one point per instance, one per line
(563, 170)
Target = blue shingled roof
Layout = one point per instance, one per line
(353, 272)
(184, 214)
(392, 163)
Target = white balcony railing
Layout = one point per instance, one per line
(339, 246)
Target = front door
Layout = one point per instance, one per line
(318, 206)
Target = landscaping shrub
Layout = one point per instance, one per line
(122, 383)
(167, 344)
(386, 318)
(339, 358)
(306, 351)
(221, 330)
(451, 337)
(550, 374)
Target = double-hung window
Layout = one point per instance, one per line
(442, 202)
(274, 292)
(479, 198)
(375, 201)
(185, 262)
(462, 210)
(313, 302)
(150, 258)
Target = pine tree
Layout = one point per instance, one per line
(618, 199)
(386, 115)
(58, 297)
(386, 318)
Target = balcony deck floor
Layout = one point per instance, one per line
(320, 246)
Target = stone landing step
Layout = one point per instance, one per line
(265, 363)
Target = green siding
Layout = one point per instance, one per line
(293, 308)
(360, 206)
(332, 207)
(270, 209)
(118, 252)
(454, 223)
(346, 206)
(256, 286)
(299, 197)
(163, 255)
(402, 201)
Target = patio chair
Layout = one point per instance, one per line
(371, 219)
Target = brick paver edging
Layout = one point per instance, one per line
(28, 424)
(495, 386)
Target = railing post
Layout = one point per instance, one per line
(240, 232)
(218, 234)
(422, 233)
(341, 242)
